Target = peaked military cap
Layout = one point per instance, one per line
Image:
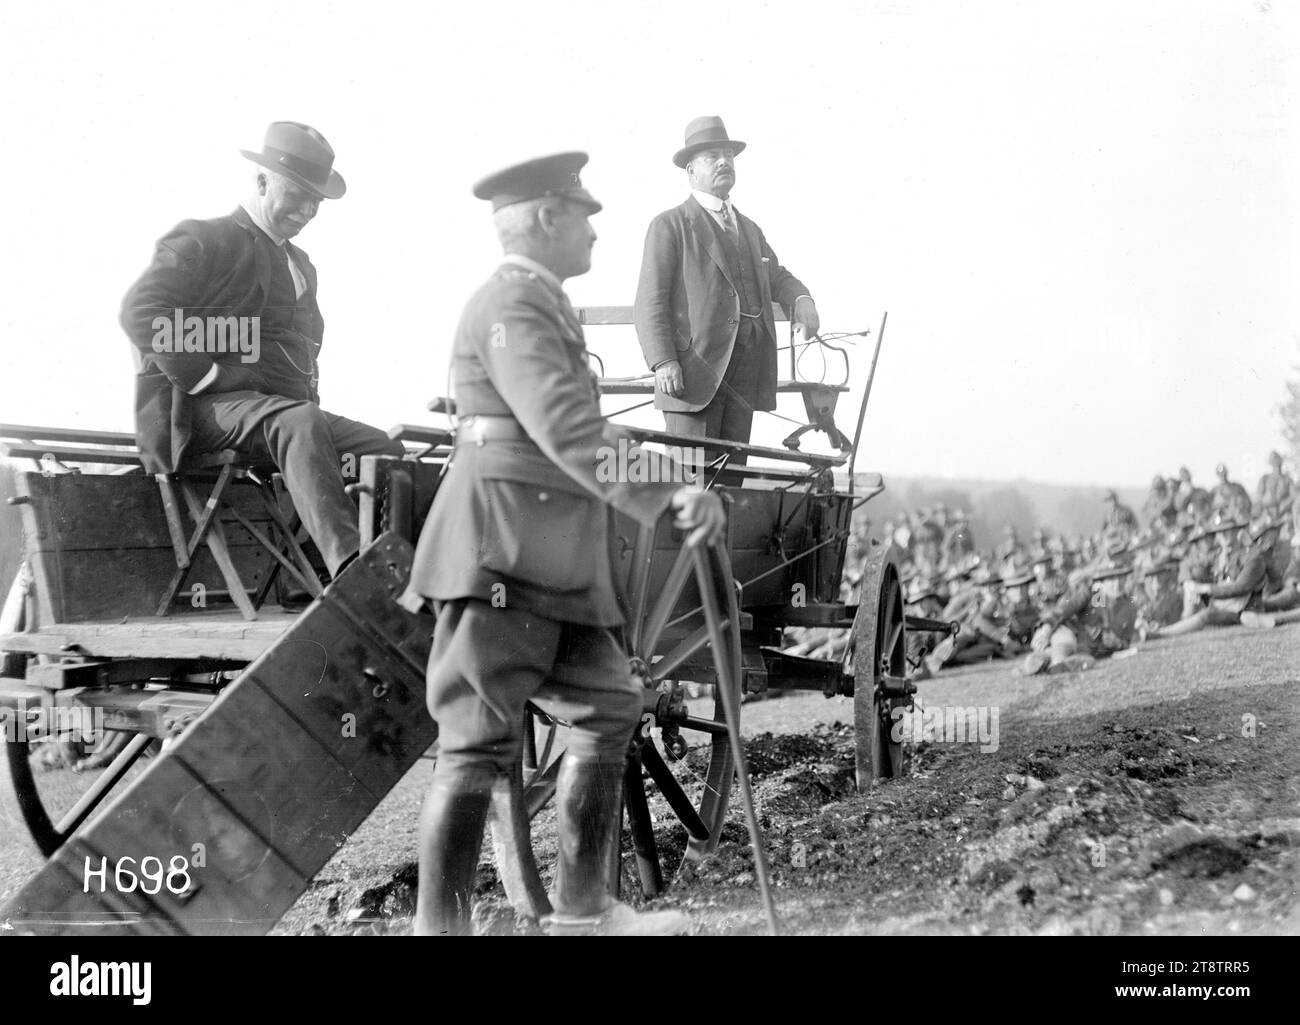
(1110, 572)
(556, 175)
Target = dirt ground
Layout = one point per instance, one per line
(1158, 794)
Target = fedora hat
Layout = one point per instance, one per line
(302, 155)
(705, 133)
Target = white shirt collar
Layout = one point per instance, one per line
(711, 202)
(256, 217)
(529, 264)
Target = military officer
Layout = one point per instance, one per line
(514, 555)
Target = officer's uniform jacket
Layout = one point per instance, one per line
(524, 523)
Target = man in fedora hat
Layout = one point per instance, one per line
(703, 309)
(515, 555)
(241, 275)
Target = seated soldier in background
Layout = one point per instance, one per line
(1244, 592)
(1160, 601)
(1048, 586)
(1159, 504)
(1092, 621)
(1273, 496)
(922, 600)
(983, 626)
(1229, 499)
(1120, 525)
(959, 543)
(1023, 612)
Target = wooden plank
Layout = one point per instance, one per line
(759, 451)
(100, 545)
(90, 511)
(269, 781)
(222, 635)
(614, 316)
(75, 435)
(68, 454)
(645, 386)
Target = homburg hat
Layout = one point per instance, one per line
(705, 133)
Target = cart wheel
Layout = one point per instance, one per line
(878, 646)
(40, 784)
(669, 643)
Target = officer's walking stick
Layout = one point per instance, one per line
(712, 565)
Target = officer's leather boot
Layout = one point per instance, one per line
(451, 836)
(587, 796)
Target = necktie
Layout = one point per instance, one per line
(729, 222)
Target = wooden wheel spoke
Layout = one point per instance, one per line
(673, 793)
(666, 667)
(664, 603)
(106, 780)
(641, 555)
(891, 645)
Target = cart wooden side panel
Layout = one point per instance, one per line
(99, 547)
(266, 785)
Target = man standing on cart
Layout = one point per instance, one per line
(514, 555)
(703, 309)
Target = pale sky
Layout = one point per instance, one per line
(1081, 217)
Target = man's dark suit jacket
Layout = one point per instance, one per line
(206, 268)
(688, 305)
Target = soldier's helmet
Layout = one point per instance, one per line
(929, 531)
